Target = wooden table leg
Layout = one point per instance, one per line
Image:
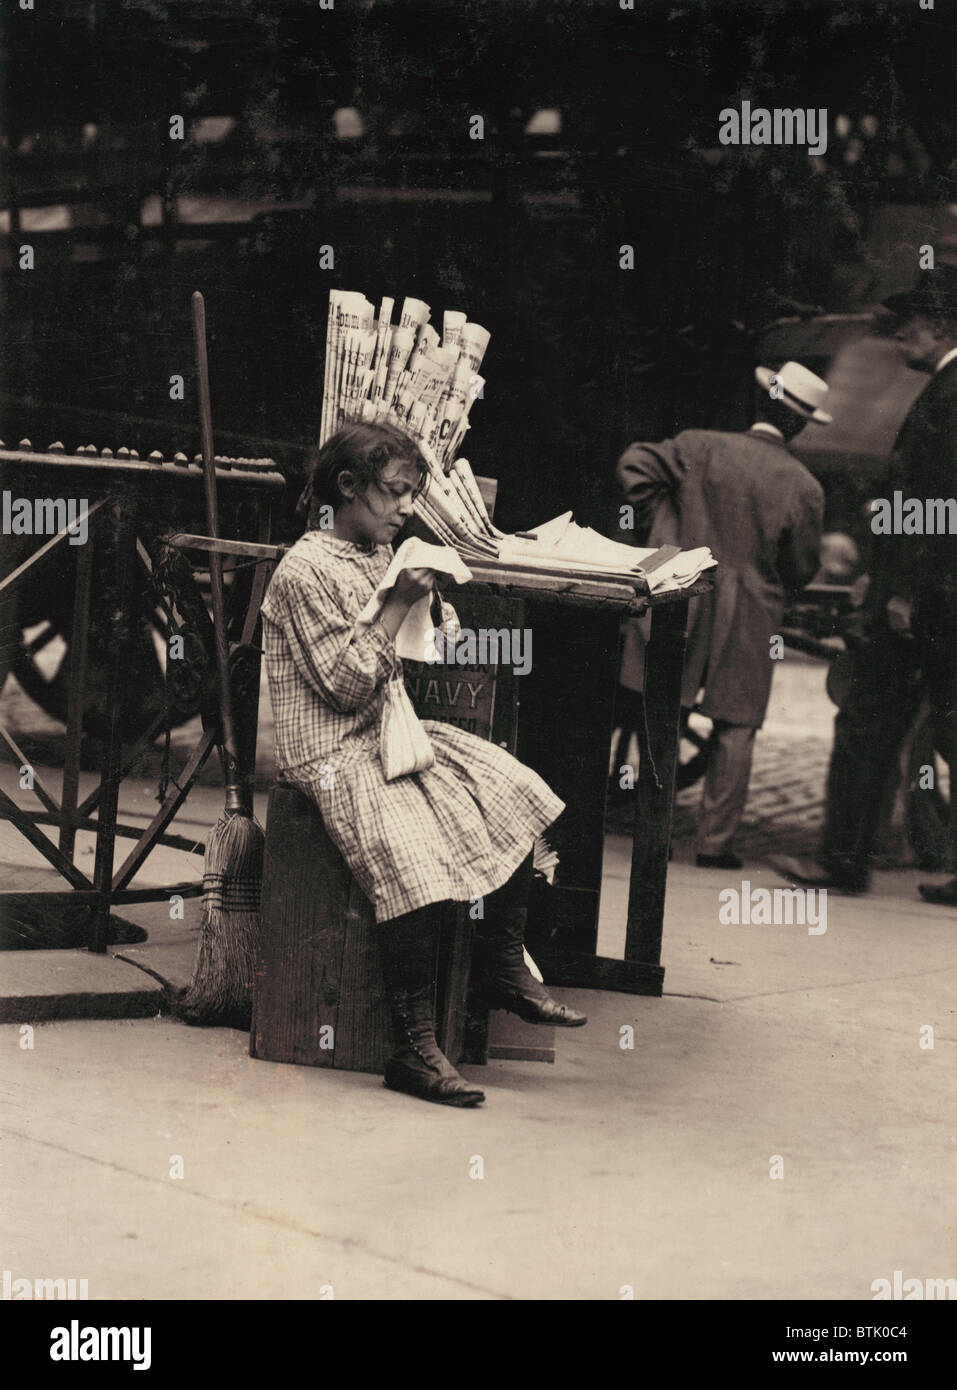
(664, 664)
(641, 971)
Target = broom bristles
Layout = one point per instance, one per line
(220, 992)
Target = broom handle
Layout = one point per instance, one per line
(234, 796)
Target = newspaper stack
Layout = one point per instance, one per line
(405, 375)
(561, 544)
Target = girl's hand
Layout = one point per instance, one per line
(412, 585)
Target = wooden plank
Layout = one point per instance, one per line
(622, 601)
(580, 970)
(157, 895)
(24, 823)
(530, 575)
(364, 1027)
(251, 550)
(663, 597)
(113, 473)
(511, 1039)
(507, 580)
(173, 801)
(129, 832)
(39, 790)
(511, 581)
(560, 595)
(128, 895)
(296, 993)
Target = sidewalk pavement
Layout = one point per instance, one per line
(647, 1167)
(157, 1160)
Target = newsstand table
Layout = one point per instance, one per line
(558, 719)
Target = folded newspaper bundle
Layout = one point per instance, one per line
(405, 375)
(561, 544)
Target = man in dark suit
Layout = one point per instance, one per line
(910, 611)
(747, 497)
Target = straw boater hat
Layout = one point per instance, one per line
(797, 388)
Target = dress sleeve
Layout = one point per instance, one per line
(344, 663)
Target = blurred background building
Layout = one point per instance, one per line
(349, 127)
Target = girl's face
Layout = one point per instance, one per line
(376, 515)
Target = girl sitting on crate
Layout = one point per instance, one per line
(462, 828)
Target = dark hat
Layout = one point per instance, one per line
(934, 293)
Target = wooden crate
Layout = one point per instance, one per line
(320, 998)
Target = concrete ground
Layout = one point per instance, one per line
(159, 1161)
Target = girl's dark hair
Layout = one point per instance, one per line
(363, 451)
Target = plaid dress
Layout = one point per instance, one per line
(454, 832)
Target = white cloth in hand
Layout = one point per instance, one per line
(414, 638)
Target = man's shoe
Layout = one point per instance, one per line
(813, 874)
(727, 860)
(941, 894)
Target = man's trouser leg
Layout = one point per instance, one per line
(945, 738)
(725, 786)
(877, 710)
(939, 651)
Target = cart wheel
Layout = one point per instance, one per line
(42, 661)
(43, 669)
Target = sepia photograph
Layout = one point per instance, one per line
(478, 666)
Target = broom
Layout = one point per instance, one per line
(221, 989)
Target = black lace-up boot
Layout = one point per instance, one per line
(418, 1066)
(504, 980)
